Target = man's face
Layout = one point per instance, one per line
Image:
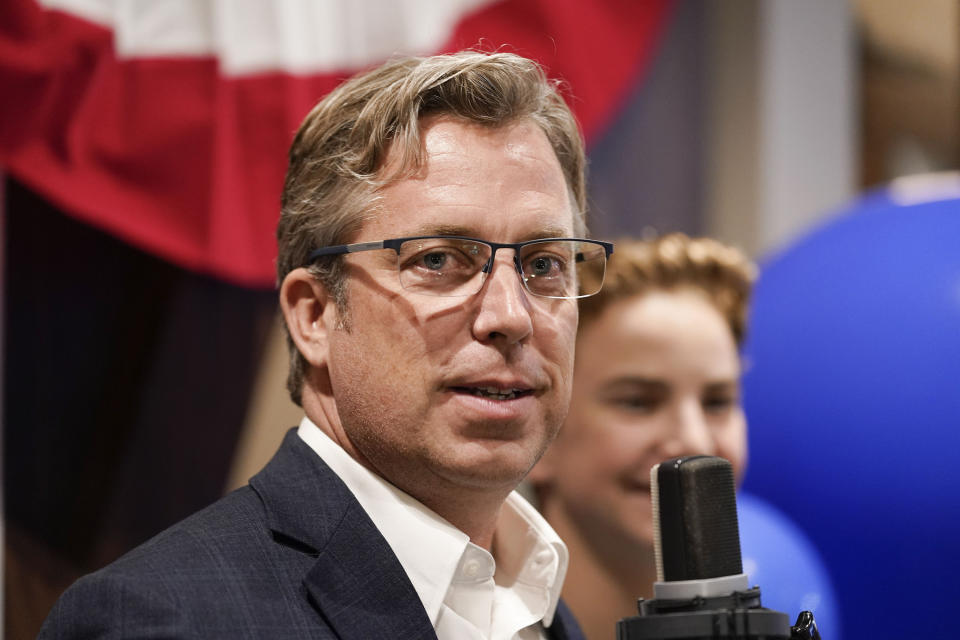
(412, 376)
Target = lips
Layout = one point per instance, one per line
(636, 484)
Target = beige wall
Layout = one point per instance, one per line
(271, 412)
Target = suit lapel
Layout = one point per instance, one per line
(564, 625)
(361, 588)
(357, 584)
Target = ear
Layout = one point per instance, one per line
(310, 314)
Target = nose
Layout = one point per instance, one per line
(504, 313)
(689, 432)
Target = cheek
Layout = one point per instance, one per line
(391, 337)
(603, 443)
(554, 340)
(437, 334)
(359, 380)
(556, 330)
(376, 364)
(732, 445)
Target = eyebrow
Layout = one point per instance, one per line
(635, 381)
(722, 385)
(457, 230)
(653, 383)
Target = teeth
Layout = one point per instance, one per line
(495, 393)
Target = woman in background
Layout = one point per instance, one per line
(657, 376)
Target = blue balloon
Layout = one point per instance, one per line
(779, 559)
(852, 393)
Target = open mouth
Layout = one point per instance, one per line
(493, 393)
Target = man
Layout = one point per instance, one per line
(432, 328)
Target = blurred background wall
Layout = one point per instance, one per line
(143, 366)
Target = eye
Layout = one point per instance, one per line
(436, 255)
(718, 403)
(434, 260)
(544, 265)
(637, 403)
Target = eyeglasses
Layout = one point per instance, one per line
(453, 266)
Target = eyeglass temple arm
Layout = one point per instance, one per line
(347, 248)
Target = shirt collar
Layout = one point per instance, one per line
(430, 549)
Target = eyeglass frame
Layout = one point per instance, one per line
(395, 244)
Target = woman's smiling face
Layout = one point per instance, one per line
(656, 377)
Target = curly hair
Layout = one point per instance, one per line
(674, 261)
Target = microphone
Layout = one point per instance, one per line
(701, 590)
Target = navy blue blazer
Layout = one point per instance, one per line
(291, 555)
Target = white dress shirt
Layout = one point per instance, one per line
(467, 592)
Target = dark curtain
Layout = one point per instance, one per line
(126, 386)
(647, 171)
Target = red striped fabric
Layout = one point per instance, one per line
(175, 156)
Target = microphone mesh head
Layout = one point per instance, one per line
(696, 532)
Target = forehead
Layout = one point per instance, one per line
(479, 180)
(661, 333)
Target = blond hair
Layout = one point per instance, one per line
(675, 261)
(337, 156)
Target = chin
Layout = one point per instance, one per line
(634, 527)
(484, 480)
(489, 471)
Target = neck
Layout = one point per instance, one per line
(604, 578)
(475, 515)
(473, 511)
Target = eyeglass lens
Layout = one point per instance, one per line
(455, 267)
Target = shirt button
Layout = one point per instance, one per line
(543, 557)
(471, 569)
